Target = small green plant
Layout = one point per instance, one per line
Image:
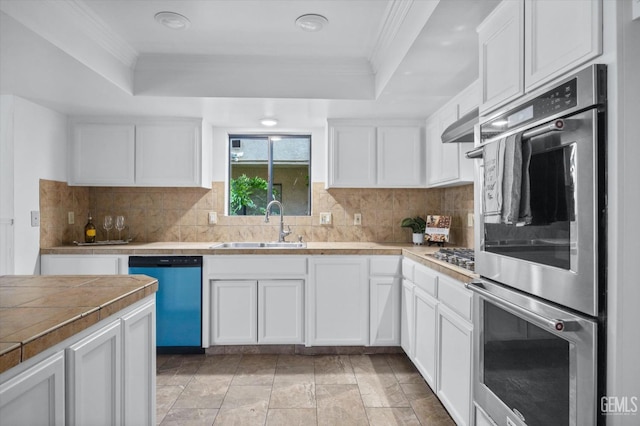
(417, 224)
(243, 191)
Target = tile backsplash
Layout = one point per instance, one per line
(181, 214)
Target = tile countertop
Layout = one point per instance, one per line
(37, 312)
(421, 254)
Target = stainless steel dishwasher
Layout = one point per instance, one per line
(178, 300)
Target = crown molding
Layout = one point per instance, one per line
(394, 17)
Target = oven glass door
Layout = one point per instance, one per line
(548, 238)
(526, 367)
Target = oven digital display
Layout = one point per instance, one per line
(520, 116)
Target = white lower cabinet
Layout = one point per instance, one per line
(139, 365)
(426, 308)
(385, 311)
(437, 335)
(35, 396)
(454, 364)
(407, 320)
(94, 378)
(252, 311)
(339, 301)
(83, 264)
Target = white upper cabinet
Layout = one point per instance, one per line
(375, 154)
(527, 43)
(168, 154)
(102, 154)
(559, 36)
(352, 156)
(399, 153)
(446, 163)
(501, 38)
(141, 152)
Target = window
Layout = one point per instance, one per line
(268, 167)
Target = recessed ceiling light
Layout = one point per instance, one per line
(312, 22)
(269, 122)
(173, 20)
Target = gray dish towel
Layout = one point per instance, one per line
(506, 181)
(512, 179)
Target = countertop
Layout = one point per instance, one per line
(421, 254)
(37, 312)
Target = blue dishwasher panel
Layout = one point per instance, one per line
(178, 304)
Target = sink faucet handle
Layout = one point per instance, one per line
(299, 238)
(288, 231)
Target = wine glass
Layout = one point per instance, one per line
(108, 225)
(119, 225)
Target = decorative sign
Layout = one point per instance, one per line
(438, 228)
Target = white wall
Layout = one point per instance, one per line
(623, 373)
(40, 152)
(6, 185)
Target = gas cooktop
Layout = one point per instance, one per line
(459, 256)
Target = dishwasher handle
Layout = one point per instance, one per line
(165, 261)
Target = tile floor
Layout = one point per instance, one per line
(284, 390)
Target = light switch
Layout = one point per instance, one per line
(213, 218)
(357, 219)
(35, 218)
(325, 218)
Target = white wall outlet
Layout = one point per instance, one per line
(357, 219)
(325, 218)
(71, 218)
(213, 218)
(469, 219)
(35, 218)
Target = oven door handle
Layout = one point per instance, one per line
(553, 324)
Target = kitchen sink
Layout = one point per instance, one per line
(260, 245)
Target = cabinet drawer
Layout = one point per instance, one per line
(408, 269)
(256, 266)
(385, 265)
(453, 294)
(426, 279)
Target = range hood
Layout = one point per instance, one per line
(462, 129)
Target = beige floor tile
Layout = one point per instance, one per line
(289, 361)
(204, 392)
(403, 369)
(166, 396)
(290, 375)
(294, 395)
(244, 405)
(334, 370)
(255, 370)
(392, 417)
(190, 417)
(381, 391)
(340, 405)
(370, 364)
(415, 391)
(430, 412)
(292, 417)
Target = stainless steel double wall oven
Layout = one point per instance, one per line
(539, 306)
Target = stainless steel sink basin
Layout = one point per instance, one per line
(260, 245)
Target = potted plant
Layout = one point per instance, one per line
(418, 225)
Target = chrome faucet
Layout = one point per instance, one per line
(283, 234)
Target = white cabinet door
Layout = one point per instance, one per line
(234, 316)
(339, 311)
(384, 320)
(559, 36)
(454, 364)
(63, 264)
(168, 154)
(407, 319)
(94, 378)
(501, 38)
(443, 162)
(280, 311)
(36, 396)
(139, 365)
(400, 156)
(352, 156)
(102, 154)
(426, 308)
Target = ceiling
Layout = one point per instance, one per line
(241, 60)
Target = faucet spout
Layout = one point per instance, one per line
(282, 234)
